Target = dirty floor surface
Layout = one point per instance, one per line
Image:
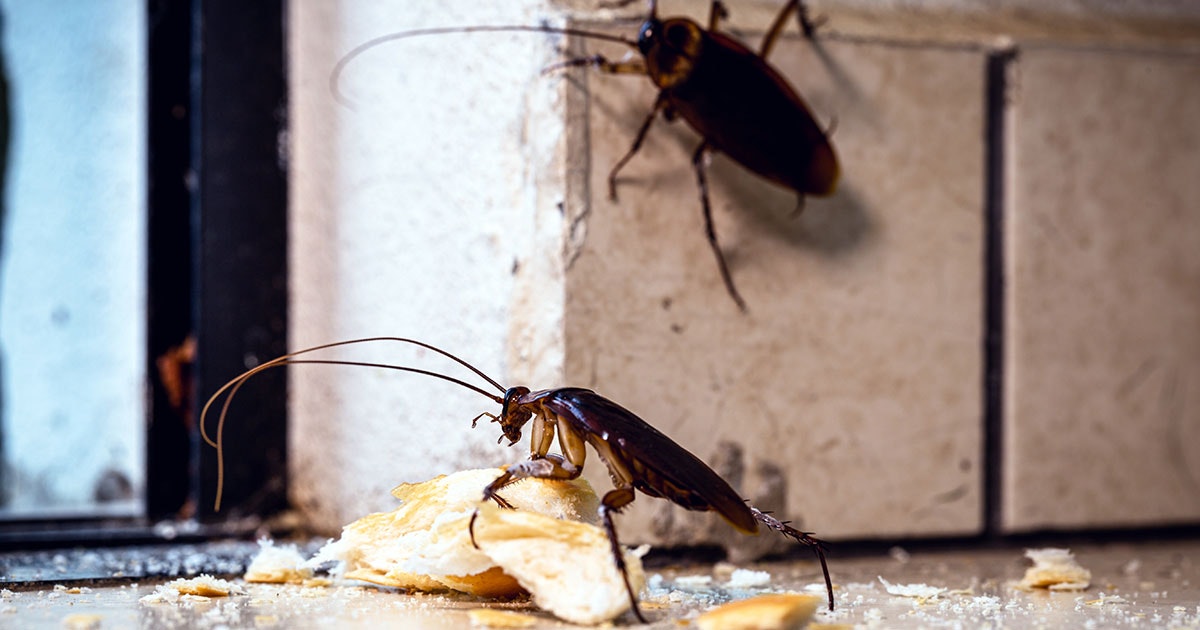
(1143, 585)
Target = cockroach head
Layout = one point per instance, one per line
(670, 49)
(514, 415)
(648, 34)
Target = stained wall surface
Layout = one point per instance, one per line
(1019, 174)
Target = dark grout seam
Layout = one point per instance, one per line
(996, 86)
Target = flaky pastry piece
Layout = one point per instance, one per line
(780, 611)
(1055, 569)
(547, 545)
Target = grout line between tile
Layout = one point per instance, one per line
(997, 66)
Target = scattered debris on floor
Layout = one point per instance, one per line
(1055, 569)
(763, 612)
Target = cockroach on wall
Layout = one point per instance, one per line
(638, 456)
(739, 104)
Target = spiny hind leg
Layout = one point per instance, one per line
(614, 501)
(817, 545)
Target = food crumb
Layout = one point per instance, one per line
(746, 578)
(82, 622)
(765, 612)
(693, 581)
(277, 565)
(195, 589)
(491, 618)
(1055, 569)
(921, 592)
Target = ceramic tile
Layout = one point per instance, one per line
(848, 398)
(1103, 263)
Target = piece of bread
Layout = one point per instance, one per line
(542, 546)
(783, 611)
(277, 565)
(1055, 569)
(567, 566)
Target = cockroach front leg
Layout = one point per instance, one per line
(660, 105)
(549, 466)
(698, 161)
(601, 63)
(818, 545)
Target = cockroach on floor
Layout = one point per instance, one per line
(739, 104)
(637, 455)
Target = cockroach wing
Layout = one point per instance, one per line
(744, 108)
(659, 466)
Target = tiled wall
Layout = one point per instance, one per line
(852, 396)
(991, 327)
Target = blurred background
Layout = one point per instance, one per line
(991, 330)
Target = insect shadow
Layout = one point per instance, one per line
(738, 103)
(639, 458)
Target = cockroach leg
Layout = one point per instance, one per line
(717, 12)
(799, 209)
(614, 501)
(698, 161)
(600, 62)
(772, 35)
(818, 545)
(659, 105)
(549, 466)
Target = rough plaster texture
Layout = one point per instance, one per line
(425, 208)
(848, 398)
(1103, 392)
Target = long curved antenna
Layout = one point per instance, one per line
(236, 383)
(336, 75)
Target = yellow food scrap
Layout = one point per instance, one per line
(82, 622)
(765, 612)
(1055, 569)
(492, 618)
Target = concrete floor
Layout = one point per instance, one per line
(1133, 585)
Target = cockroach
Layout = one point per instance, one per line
(730, 95)
(637, 455)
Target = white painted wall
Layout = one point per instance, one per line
(72, 261)
(410, 211)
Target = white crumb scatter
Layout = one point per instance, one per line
(747, 578)
(921, 592)
(899, 554)
(693, 581)
(1055, 569)
(1107, 599)
(277, 564)
(197, 589)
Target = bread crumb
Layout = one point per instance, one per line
(194, 589)
(921, 592)
(567, 566)
(1055, 569)
(746, 578)
(549, 545)
(491, 618)
(765, 612)
(277, 565)
(82, 621)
